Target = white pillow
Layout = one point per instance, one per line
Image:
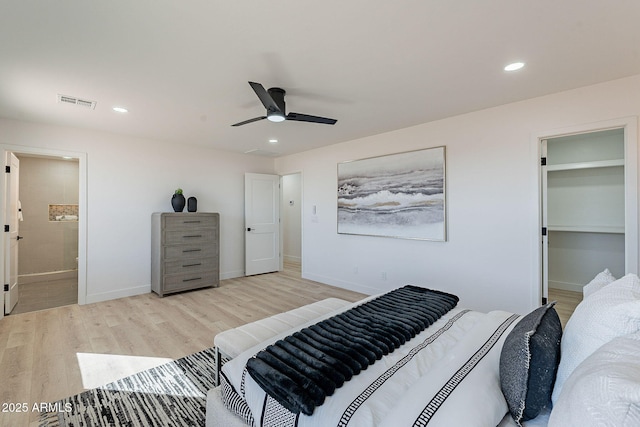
(600, 281)
(611, 312)
(604, 390)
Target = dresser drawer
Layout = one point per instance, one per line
(188, 266)
(190, 251)
(192, 236)
(189, 221)
(190, 281)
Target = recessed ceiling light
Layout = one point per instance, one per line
(514, 66)
(273, 141)
(120, 110)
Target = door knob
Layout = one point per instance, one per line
(19, 237)
(249, 229)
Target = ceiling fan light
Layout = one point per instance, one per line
(275, 116)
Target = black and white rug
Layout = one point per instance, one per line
(173, 394)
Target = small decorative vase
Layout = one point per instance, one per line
(177, 202)
(192, 204)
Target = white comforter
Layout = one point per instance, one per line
(448, 375)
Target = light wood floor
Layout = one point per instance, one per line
(567, 301)
(48, 355)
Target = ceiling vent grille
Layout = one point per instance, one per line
(64, 99)
(260, 152)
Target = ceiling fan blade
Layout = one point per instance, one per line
(313, 119)
(255, 119)
(264, 96)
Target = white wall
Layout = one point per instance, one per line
(291, 217)
(128, 178)
(491, 258)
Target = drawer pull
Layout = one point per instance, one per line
(192, 222)
(192, 236)
(191, 280)
(192, 265)
(191, 250)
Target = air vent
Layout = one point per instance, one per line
(64, 99)
(259, 152)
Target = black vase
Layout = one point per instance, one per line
(192, 204)
(177, 201)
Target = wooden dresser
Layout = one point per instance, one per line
(185, 251)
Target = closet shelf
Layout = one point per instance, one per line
(586, 165)
(611, 229)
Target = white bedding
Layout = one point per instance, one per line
(447, 375)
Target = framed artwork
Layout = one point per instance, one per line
(399, 195)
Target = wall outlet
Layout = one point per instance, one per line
(355, 270)
(383, 275)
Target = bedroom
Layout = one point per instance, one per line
(490, 259)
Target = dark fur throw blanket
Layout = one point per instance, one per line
(301, 370)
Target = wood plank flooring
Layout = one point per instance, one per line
(567, 301)
(50, 354)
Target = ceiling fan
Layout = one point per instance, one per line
(273, 101)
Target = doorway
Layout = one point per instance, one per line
(48, 252)
(273, 223)
(291, 215)
(588, 206)
(76, 275)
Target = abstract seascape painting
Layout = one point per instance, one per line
(400, 195)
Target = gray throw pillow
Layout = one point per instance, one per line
(529, 363)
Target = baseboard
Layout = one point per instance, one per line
(292, 258)
(564, 286)
(139, 290)
(120, 293)
(351, 286)
(25, 279)
(231, 274)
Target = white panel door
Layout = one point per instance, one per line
(11, 237)
(262, 223)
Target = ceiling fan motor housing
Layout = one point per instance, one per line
(278, 97)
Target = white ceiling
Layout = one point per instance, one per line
(181, 67)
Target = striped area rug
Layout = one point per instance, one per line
(173, 394)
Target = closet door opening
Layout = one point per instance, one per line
(588, 211)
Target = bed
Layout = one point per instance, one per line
(464, 368)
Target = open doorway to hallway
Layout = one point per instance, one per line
(291, 221)
(48, 252)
